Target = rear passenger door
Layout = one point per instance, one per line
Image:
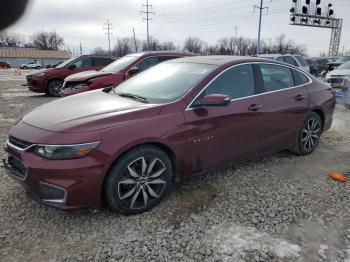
(285, 101)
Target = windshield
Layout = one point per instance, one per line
(63, 64)
(343, 59)
(165, 82)
(120, 64)
(345, 65)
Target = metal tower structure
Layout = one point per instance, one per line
(305, 13)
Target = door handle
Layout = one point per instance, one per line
(254, 107)
(300, 97)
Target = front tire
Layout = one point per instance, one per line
(54, 87)
(139, 180)
(309, 135)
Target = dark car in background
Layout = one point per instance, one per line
(50, 80)
(4, 65)
(341, 60)
(127, 144)
(116, 72)
(313, 65)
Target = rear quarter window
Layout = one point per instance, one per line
(276, 77)
(300, 78)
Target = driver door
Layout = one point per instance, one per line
(218, 134)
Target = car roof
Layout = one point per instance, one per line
(221, 60)
(158, 53)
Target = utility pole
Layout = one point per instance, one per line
(133, 31)
(147, 12)
(235, 40)
(108, 27)
(81, 49)
(259, 32)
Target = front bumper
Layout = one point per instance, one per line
(36, 84)
(64, 184)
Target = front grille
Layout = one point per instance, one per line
(18, 166)
(335, 80)
(19, 142)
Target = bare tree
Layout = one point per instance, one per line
(11, 39)
(47, 40)
(99, 51)
(123, 46)
(193, 45)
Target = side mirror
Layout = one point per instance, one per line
(133, 71)
(72, 66)
(214, 100)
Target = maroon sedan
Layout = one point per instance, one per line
(181, 117)
(50, 80)
(117, 72)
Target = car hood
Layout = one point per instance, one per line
(89, 111)
(86, 75)
(340, 72)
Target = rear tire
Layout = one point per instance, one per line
(139, 180)
(309, 135)
(38, 67)
(54, 87)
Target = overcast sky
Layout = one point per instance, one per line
(82, 21)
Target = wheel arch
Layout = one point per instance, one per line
(321, 114)
(164, 147)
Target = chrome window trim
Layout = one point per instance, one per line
(188, 108)
(59, 201)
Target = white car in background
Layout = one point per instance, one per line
(296, 60)
(31, 65)
(340, 76)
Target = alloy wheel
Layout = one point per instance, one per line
(55, 87)
(142, 183)
(311, 134)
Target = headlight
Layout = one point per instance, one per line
(39, 74)
(328, 75)
(65, 151)
(81, 85)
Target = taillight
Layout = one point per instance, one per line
(334, 93)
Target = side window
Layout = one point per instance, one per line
(84, 62)
(299, 78)
(147, 63)
(101, 61)
(290, 60)
(281, 59)
(276, 77)
(165, 58)
(236, 82)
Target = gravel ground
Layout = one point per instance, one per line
(279, 208)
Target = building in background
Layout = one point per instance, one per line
(17, 56)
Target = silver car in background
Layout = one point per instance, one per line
(296, 60)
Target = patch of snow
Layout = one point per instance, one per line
(322, 251)
(233, 239)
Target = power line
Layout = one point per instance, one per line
(259, 31)
(108, 27)
(147, 19)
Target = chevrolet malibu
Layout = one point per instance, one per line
(128, 144)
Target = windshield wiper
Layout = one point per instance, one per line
(135, 97)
